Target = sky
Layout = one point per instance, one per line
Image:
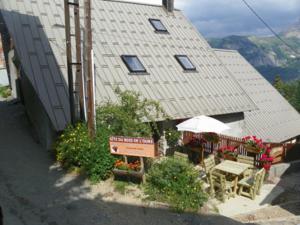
(219, 18)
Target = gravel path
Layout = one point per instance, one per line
(34, 191)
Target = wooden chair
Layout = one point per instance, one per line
(249, 186)
(209, 164)
(261, 182)
(246, 159)
(250, 161)
(218, 181)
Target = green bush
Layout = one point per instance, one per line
(76, 149)
(172, 137)
(5, 91)
(127, 118)
(176, 182)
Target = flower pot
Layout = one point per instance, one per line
(229, 157)
(252, 149)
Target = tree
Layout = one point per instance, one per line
(296, 97)
(290, 91)
(132, 116)
(278, 83)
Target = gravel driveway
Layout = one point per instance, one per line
(34, 191)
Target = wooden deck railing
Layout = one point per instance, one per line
(231, 141)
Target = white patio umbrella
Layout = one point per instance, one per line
(203, 124)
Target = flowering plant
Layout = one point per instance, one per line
(133, 166)
(196, 142)
(266, 160)
(254, 143)
(228, 150)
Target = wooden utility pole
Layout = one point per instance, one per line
(69, 61)
(79, 80)
(89, 68)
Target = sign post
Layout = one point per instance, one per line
(134, 147)
(130, 146)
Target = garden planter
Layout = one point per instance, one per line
(129, 173)
(252, 149)
(229, 157)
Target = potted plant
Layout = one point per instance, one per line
(196, 142)
(266, 160)
(254, 144)
(133, 166)
(228, 152)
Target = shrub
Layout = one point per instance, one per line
(172, 137)
(76, 148)
(98, 162)
(71, 145)
(127, 118)
(5, 91)
(176, 182)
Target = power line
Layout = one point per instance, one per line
(270, 28)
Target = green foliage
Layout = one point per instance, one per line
(76, 149)
(120, 186)
(5, 91)
(289, 90)
(176, 182)
(172, 137)
(133, 116)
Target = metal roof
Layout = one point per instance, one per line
(275, 120)
(37, 29)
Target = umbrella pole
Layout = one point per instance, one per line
(202, 155)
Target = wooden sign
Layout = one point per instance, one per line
(131, 146)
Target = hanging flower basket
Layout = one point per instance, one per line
(252, 149)
(254, 145)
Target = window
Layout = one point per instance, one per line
(133, 64)
(158, 25)
(185, 62)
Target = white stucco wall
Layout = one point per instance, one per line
(3, 77)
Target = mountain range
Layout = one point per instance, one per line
(269, 55)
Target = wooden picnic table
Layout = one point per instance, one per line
(234, 168)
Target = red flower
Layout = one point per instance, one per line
(267, 166)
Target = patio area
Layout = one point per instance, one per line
(241, 205)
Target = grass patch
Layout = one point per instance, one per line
(121, 186)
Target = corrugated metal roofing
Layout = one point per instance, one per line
(275, 120)
(37, 28)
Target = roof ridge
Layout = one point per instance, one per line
(137, 3)
(225, 50)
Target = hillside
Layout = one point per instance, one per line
(268, 54)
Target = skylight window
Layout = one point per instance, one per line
(133, 63)
(185, 62)
(158, 25)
